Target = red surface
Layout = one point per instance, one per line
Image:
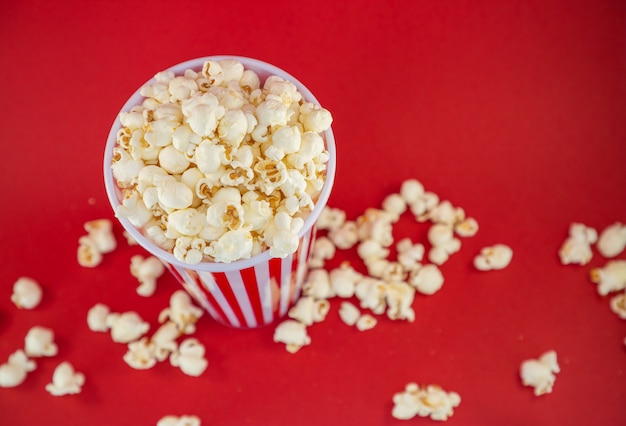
(513, 110)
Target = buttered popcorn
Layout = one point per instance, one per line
(219, 166)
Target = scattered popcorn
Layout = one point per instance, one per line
(493, 258)
(371, 293)
(184, 420)
(181, 312)
(427, 279)
(293, 334)
(307, 310)
(97, 317)
(323, 249)
(317, 285)
(164, 340)
(409, 254)
(612, 240)
(343, 280)
(399, 297)
(140, 354)
(331, 218)
(577, 247)
(126, 327)
(610, 278)
(65, 380)
(466, 228)
(27, 293)
(428, 401)
(100, 231)
(411, 191)
(39, 341)
(376, 225)
(147, 271)
(190, 357)
(618, 305)
(366, 322)
(395, 205)
(441, 237)
(349, 313)
(539, 373)
(88, 254)
(129, 239)
(217, 129)
(345, 236)
(14, 371)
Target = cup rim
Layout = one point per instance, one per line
(113, 191)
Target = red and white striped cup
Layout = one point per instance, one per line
(246, 293)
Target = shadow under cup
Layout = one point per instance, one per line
(246, 293)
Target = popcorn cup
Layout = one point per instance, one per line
(245, 293)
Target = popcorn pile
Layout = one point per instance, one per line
(611, 242)
(38, 342)
(390, 285)
(216, 166)
(428, 401)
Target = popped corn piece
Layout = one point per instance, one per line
(181, 312)
(409, 254)
(399, 296)
(610, 278)
(441, 237)
(371, 294)
(577, 247)
(445, 213)
(14, 371)
(314, 118)
(494, 257)
(428, 401)
(27, 293)
(307, 310)
(190, 357)
(393, 272)
(164, 340)
(331, 218)
(421, 207)
(345, 236)
(65, 380)
(101, 233)
(395, 205)
(467, 227)
(317, 285)
(540, 373)
(293, 334)
(343, 280)
(376, 267)
(147, 271)
(88, 254)
(377, 225)
(231, 246)
(370, 250)
(427, 279)
(612, 240)
(140, 354)
(39, 341)
(349, 313)
(323, 249)
(411, 190)
(126, 327)
(618, 305)
(129, 239)
(184, 420)
(97, 317)
(366, 322)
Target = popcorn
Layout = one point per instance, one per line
(345, 236)
(14, 371)
(126, 327)
(445, 213)
(97, 317)
(395, 205)
(411, 190)
(181, 312)
(331, 218)
(539, 373)
(184, 420)
(577, 247)
(375, 224)
(100, 231)
(190, 357)
(610, 278)
(27, 293)
(140, 354)
(428, 401)
(371, 293)
(323, 249)
(618, 305)
(307, 310)
(612, 240)
(164, 340)
(366, 322)
(65, 380)
(494, 257)
(147, 271)
(441, 237)
(399, 297)
(39, 341)
(343, 280)
(349, 313)
(421, 207)
(370, 250)
(466, 228)
(409, 254)
(201, 132)
(427, 279)
(293, 334)
(317, 285)
(88, 254)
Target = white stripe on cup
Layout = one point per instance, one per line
(262, 273)
(236, 284)
(214, 289)
(192, 288)
(285, 283)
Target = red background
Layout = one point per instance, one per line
(513, 110)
